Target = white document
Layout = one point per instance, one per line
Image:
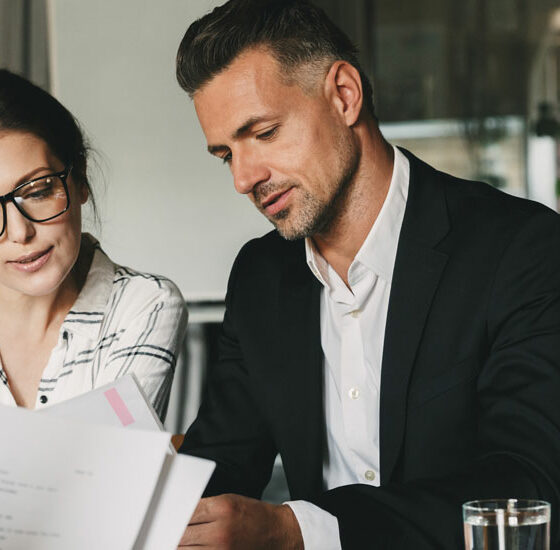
(121, 403)
(183, 481)
(77, 484)
(65, 485)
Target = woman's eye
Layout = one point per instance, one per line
(38, 193)
(226, 159)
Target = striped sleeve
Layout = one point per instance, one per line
(148, 334)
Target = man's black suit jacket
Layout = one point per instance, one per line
(470, 382)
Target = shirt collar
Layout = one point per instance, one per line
(379, 250)
(87, 313)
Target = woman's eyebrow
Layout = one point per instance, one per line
(35, 173)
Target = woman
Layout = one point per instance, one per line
(70, 319)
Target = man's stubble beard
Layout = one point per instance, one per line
(315, 216)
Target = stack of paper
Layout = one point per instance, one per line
(121, 404)
(68, 484)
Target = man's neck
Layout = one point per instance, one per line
(348, 231)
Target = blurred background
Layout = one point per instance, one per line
(470, 86)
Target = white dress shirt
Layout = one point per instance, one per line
(352, 334)
(122, 321)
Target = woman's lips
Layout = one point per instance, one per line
(278, 203)
(32, 262)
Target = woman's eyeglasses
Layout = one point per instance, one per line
(40, 199)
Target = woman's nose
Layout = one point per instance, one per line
(18, 228)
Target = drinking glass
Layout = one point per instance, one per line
(507, 524)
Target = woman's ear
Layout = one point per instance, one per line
(343, 86)
(83, 193)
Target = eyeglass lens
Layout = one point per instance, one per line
(41, 199)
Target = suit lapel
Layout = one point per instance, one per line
(418, 268)
(302, 364)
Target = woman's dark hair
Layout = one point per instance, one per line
(295, 32)
(25, 107)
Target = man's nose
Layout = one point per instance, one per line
(248, 171)
(18, 228)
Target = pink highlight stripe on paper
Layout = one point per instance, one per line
(121, 410)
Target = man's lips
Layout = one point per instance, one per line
(276, 202)
(33, 261)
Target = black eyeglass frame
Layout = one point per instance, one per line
(11, 197)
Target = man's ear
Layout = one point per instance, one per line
(343, 88)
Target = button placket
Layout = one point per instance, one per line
(353, 376)
(55, 365)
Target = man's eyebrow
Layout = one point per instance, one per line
(240, 132)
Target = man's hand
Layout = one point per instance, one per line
(231, 522)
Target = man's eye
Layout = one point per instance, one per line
(226, 159)
(268, 134)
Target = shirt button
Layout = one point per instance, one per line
(369, 475)
(354, 393)
(355, 313)
(43, 399)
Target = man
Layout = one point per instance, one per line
(396, 339)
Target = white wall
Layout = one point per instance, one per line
(168, 207)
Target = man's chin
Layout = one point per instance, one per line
(292, 226)
(289, 236)
(289, 232)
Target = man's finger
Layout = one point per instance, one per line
(202, 534)
(203, 512)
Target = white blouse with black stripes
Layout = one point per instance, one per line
(122, 321)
